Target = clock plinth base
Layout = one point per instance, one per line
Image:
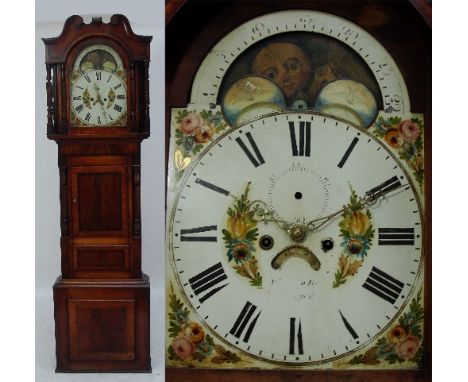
(102, 325)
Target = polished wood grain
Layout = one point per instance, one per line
(403, 28)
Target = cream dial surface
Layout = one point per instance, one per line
(297, 316)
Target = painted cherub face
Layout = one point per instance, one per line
(285, 64)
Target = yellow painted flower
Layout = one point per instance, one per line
(193, 332)
(204, 133)
(238, 225)
(393, 138)
(357, 223)
(397, 334)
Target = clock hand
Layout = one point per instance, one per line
(296, 231)
(369, 198)
(98, 99)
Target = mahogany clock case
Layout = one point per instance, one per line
(391, 23)
(116, 294)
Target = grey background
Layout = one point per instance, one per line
(147, 18)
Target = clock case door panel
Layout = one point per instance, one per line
(390, 23)
(101, 300)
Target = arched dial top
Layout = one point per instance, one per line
(209, 77)
(293, 302)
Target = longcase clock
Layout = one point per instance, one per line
(298, 185)
(98, 113)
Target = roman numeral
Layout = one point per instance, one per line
(99, 120)
(121, 96)
(348, 152)
(79, 108)
(208, 282)
(117, 86)
(256, 158)
(207, 228)
(293, 334)
(109, 78)
(212, 187)
(77, 98)
(243, 319)
(304, 139)
(88, 117)
(118, 108)
(384, 188)
(87, 78)
(98, 76)
(348, 326)
(383, 285)
(396, 236)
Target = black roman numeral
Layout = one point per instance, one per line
(88, 117)
(207, 228)
(304, 139)
(383, 285)
(256, 158)
(385, 187)
(293, 334)
(79, 108)
(117, 86)
(87, 78)
(118, 108)
(77, 98)
(348, 152)
(348, 326)
(212, 187)
(396, 236)
(109, 77)
(243, 319)
(120, 96)
(98, 76)
(99, 120)
(208, 282)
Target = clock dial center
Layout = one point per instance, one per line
(298, 194)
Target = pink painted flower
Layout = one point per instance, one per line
(409, 130)
(408, 348)
(191, 123)
(182, 347)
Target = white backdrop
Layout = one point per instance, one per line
(146, 18)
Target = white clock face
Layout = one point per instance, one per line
(98, 89)
(268, 258)
(98, 98)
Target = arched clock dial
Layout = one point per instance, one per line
(374, 82)
(267, 223)
(98, 88)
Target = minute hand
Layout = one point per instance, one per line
(369, 198)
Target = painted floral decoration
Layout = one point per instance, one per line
(406, 137)
(357, 232)
(240, 237)
(193, 131)
(189, 340)
(401, 343)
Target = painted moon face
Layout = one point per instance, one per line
(246, 94)
(352, 96)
